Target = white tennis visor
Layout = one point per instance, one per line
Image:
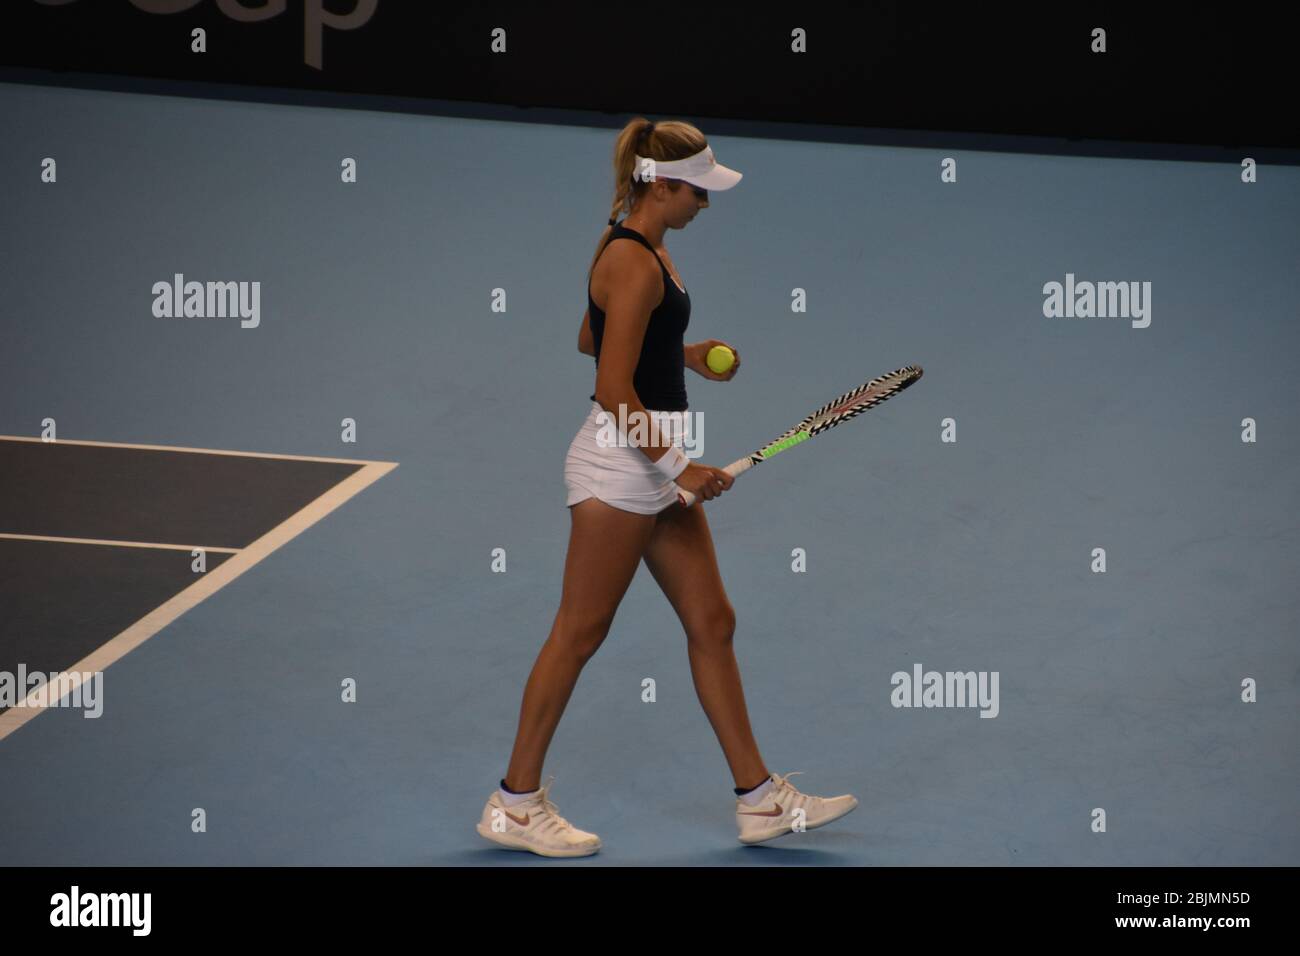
(699, 170)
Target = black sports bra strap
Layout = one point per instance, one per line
(633, 234)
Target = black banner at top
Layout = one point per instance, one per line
(1081, 74)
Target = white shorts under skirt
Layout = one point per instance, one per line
(619, 475)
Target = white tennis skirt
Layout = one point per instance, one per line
(619, 475)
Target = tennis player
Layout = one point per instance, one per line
(624, 509)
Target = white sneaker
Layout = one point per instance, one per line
(535, 825)
(776, 815)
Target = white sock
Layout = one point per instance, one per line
(755, 796)
(510, 799)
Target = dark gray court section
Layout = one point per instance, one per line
(1119, 691)
(164, 497)
(61, 601)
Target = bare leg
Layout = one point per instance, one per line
(680, 555)
(605, 548)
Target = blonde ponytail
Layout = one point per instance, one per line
(663, 142)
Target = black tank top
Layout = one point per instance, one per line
(660, 376)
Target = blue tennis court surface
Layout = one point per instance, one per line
(351, 698)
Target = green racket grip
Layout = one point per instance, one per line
(735, 470)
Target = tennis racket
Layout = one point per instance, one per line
(828, 416)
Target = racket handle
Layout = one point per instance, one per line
(735, 470)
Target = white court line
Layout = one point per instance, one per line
(213, 581)
(119, 544)
(202, 451)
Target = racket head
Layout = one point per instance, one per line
(851, 403)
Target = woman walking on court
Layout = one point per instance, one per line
(623, 506)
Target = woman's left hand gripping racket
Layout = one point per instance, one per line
(829, 415)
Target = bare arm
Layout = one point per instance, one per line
(586, 341)
(636, 291)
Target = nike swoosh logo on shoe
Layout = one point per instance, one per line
(522, 823)
(766, 813)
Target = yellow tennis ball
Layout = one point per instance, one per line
(719, 359)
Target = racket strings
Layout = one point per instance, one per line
(857, 401)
